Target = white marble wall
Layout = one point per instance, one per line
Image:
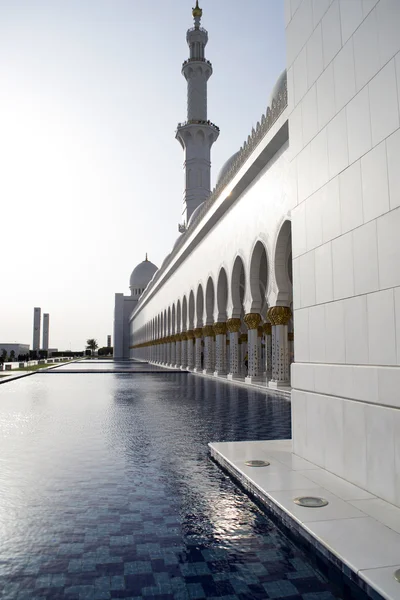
(344, 103)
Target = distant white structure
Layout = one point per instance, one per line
(36, 328)
(46, 324)
(124, 305)
(17, 348)
(298, 244)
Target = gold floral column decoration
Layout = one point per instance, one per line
(252, 320)
(279, 315)
(233, 325)
(219, 328)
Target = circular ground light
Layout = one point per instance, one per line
(257, 463)
(310, 501)
(396, 575)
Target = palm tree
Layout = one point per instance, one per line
(92, 345)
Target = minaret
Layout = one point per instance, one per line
(197, 134)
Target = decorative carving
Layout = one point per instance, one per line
(190, 334)
(183, 336)
(252, 320)
(267, 327)
(260, 331)
(243, 338)
(198, 332)
(208, 331)
(178, 337)
(290, 336)
(233, 325)
(220, 328)
(279, 315)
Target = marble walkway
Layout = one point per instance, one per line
(357, 531)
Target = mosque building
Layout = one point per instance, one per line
(293, 256)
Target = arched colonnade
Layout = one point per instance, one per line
(237, 324)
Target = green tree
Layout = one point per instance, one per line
(4, 356)
(12, 356)
(92, 345)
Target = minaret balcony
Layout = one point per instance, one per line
(191, 60)
(198, 122)
(197, 29)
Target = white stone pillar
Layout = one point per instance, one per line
(280, 317)
(173, 351)
(190, 349)
(198, 334)
(260, 334)
(208, 332)
(267, 327)
(234, 347)
(178, 350)
(220, 348)
(168, 351)
(183, 364)
(252, 321)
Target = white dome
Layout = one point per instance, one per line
(194, 214)
(226, 167)
(140, 277)
(278, 87)
(177, 240)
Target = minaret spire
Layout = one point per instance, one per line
(197, 134)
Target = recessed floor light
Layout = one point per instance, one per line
(257, 463)
(311, 501)
(396, 575)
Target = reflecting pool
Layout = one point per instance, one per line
(107, 491)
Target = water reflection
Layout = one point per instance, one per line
(105, 480)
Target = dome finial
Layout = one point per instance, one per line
(197, 11)
(146, 257)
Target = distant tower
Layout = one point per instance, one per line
(45, 344)
(36, 328)
(109, 341)
(197, 134)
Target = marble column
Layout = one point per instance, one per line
(280, 317)
(173, 351)
(198, 334)
(252, 321)
(208, 332)
(267, 327)
(184, 350)
(243, 337)
(190, 349)
(291, 347)
(260, 334)
(220, 348)
(178, 350)
(234, 347)
(168, 350)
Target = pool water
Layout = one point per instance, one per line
(107, 491)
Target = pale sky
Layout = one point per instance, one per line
(91, 175)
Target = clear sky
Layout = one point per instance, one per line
(91, 174)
